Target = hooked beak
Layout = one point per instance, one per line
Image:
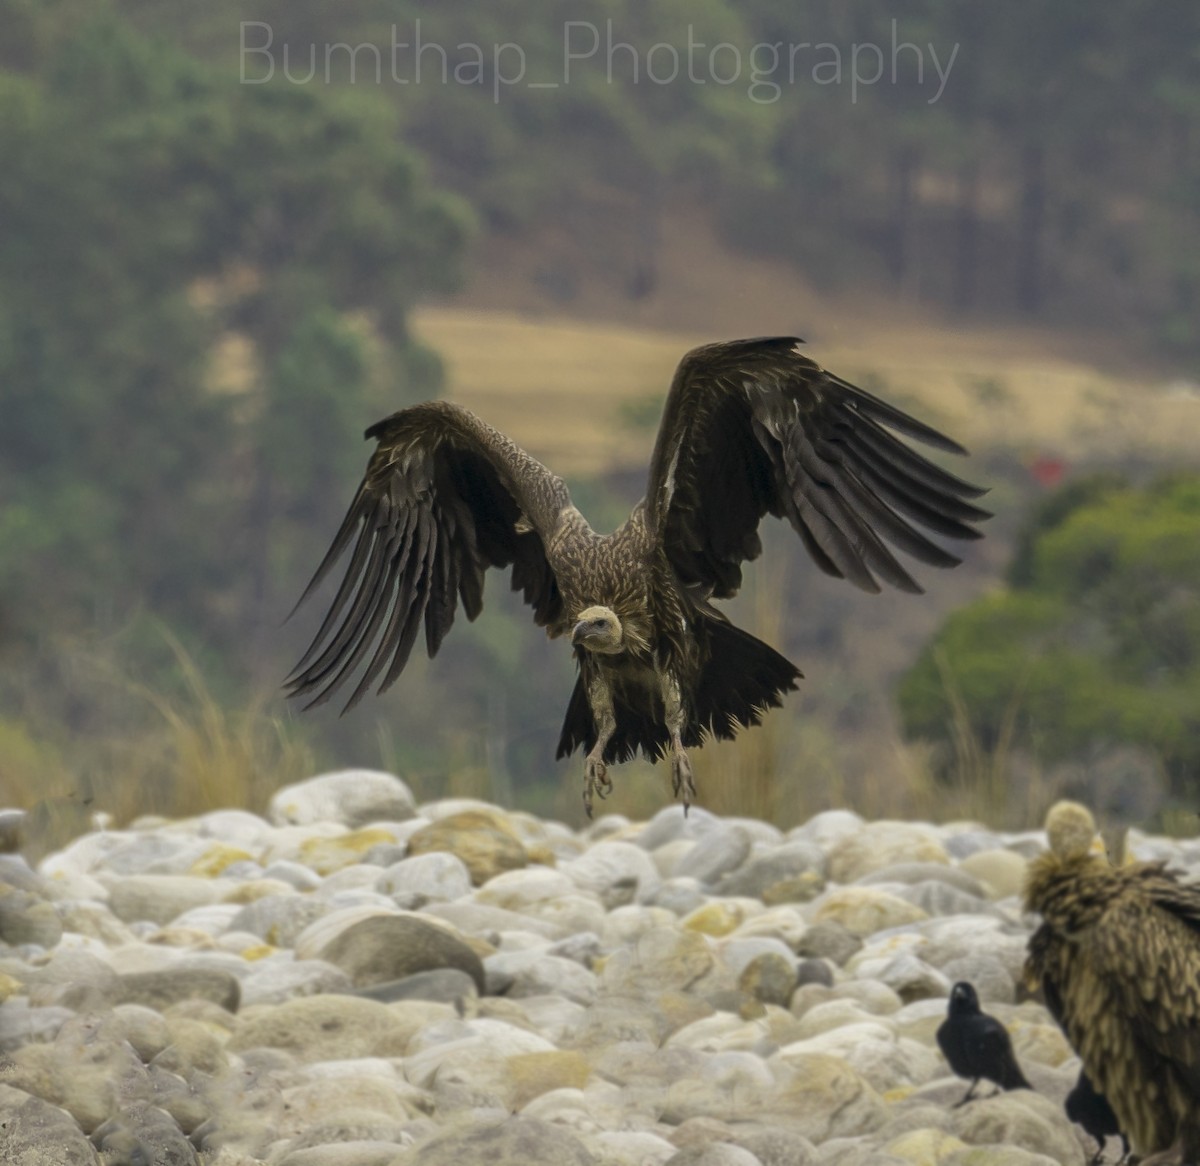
(580, 632)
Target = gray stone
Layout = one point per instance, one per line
(829, 941)
(353, 797)
(159, 898)
(880, 844)
(680, 896)
(26, 918)
(70, 970)
(295, 874)
(671, 823)
(714, 1154)
(142, 1027)
(617, 872)
(779, 865)
(1022, 1119)
(15, 872)
(517, 1141)
(360, 1152)
(40, 1134)
(445, 984)
(381, 948)
(142, 1133)
(827, 828)
(324, 1028)
(10, 830)
(385, 854)
(913, 979)
(20, 1024)
(584, 948)
(415, 881)
(724, 849)
(964, 843)
(776, 1146)
(814, 971)
(85, 917)
(278, 919)
(940, 898)
(234, 828)
(769, 978)
(914, 873)
(484, 840)
(534, 973)
(991, 979)
(274, 981)
(159, 990)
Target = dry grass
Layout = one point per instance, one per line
(205, 756)
(558, 387)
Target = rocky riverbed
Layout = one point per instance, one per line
(357, 980)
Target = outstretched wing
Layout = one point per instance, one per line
(753, 427)
(444, 497)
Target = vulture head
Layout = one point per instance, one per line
(1070, 830)
(597, 629)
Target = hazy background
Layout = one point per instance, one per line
(220, 263)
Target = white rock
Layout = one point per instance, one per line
(720, 1033)
(865, 910)
(234, 827)
(633, 1147)
(320, 932)
(515, 890)
(479, 1053)
(627, 925)
(617, 872)
(272, 981)
(533, 973)
(212, 918)
(783, 923)
(737, 951)
(725, 848)
(415, 881)
(353, 797)
(827, 828)
(668, 857)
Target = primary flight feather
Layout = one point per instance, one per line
(750, 428)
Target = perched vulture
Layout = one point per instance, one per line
(977, 1045)
(750, 427)
(1118, 958)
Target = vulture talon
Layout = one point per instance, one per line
(596, 782)
(681, 778)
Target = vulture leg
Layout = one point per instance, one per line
(681, 767)
(596, 781)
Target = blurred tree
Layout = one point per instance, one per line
(151, 215)
(1095, 645)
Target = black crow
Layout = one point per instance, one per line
(977, 1045)
(1089, 1108)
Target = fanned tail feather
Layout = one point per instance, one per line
(741, 680)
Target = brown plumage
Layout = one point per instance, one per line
(750, 428)
(1118, 958)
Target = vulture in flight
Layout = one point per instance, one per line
(1118, 959)
(750, 428)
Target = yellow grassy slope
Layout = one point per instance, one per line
(557, 386)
